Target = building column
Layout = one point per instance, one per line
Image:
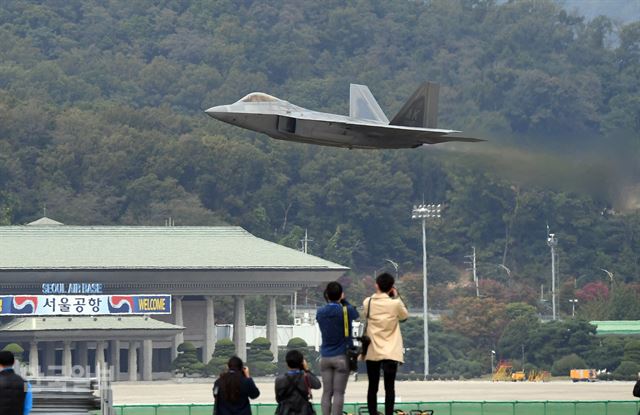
(133, 361)
(34, 363)
(49, 358)
(209, 331)
(82, 354)
(240, 327)
(272, 327)
(147, 359)
(178, 321)
(66, 358)
(100, 361)
(114, 359)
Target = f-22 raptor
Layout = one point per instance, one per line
(366, 127)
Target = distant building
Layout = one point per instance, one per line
(617, 327)
(195, 265)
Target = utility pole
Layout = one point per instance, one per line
(305, 248)
(552, 241)
(305, 242)
(424, 212)
(573, 302)
(473, 268)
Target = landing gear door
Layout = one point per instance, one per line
(286, 124)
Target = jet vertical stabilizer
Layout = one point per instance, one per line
(421, 110)
(363, 105)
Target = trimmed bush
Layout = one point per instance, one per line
(224, 350)
(187, 362)
(297, 343)
(16, 349)
(259, 357)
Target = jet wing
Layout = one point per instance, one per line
(416, 135)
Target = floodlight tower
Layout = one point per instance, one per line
(424, 212)
(552, 241)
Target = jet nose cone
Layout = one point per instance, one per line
(220, 112)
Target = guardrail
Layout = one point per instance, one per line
(439, 408)
(68, 396)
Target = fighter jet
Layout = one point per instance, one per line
(366, 127)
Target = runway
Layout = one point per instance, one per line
(199, 391)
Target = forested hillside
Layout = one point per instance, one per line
(101, 120)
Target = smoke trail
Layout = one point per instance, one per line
(607, 169)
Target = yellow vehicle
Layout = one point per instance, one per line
(518, 376)
(583, 375)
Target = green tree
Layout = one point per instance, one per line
(563, 366)
(187, 363)
(224, 350)
(259, 357)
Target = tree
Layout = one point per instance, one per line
(481, 320)
(224, 350)
(626, 371)
(606, 354)
(632, 351)
(16, 349)
(563, 366)
(187, 363)
(259, 357)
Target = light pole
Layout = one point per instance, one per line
(610, 275)
(573, 302)
(395, 266)
(493, 355)
(424, 212)
(553, 242)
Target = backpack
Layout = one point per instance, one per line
(284, 407)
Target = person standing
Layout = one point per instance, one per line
(15, 393)
(232, 390)
(336, 322)
(384, 310)
(293, 389)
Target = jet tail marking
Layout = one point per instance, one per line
(421, 110)
(362, 105)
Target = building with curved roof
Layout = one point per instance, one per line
(195, 265)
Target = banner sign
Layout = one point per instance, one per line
(83, 305)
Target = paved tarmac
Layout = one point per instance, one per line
(199, 391)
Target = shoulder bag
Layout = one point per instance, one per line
(352, 352)
(365, 340)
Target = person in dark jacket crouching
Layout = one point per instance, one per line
(15, 392)
(232, 390)
(293, 389)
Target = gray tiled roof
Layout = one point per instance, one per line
(28, 324)
(140, 247)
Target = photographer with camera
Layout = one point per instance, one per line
(232, 390)
(384, 310)
(335, 320)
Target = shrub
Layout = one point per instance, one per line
(187, 362)
(16, 349)
(259, 357)
(563, 366)
(297, 343)
(632, 351)
(626, 371)
(460, 367)
(225, 349)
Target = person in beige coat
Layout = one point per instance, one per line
(385, 310)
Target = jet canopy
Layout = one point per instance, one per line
(259, 97)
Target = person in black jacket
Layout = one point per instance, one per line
(636, 389)
(293, 389)
(15, 392)
(232, 390)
